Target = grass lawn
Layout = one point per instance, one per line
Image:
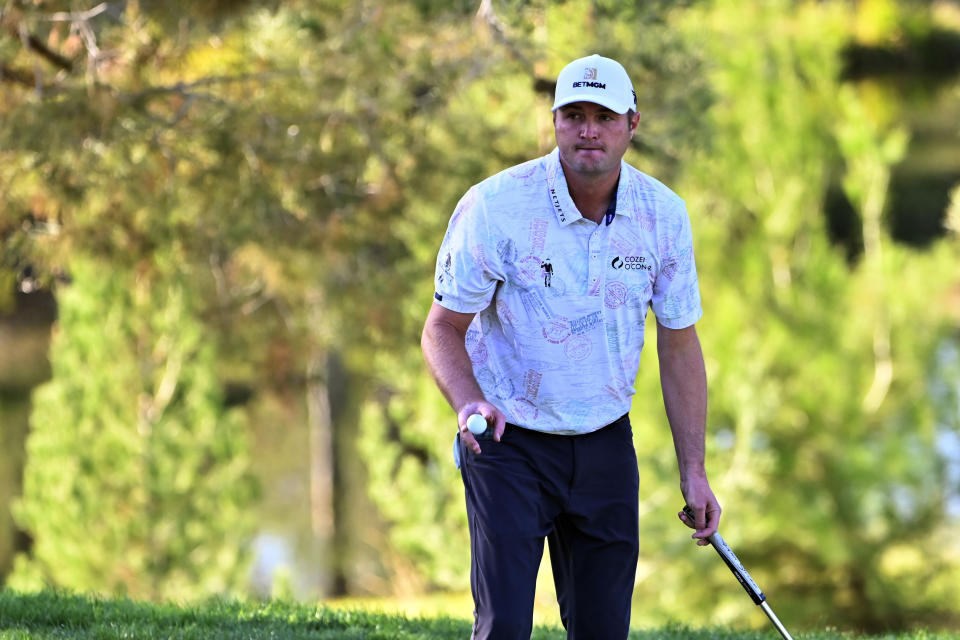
(74, 617)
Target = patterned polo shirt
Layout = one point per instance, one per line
(560, 301)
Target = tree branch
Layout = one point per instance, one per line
(488, 16)
(33, 43)
(184, 88)
(15, 75)
(78, 16)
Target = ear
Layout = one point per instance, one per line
(634, 122)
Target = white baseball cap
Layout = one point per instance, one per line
(595, 79)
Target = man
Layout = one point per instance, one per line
(550, 362)
(547, 272)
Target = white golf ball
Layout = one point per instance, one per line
(477, 424)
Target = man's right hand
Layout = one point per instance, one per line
(495, 420)
(443, 343)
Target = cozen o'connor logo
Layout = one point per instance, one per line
(631, 263)
(589, 73)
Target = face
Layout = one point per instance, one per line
(592, 139)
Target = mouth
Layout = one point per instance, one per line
(589, 148)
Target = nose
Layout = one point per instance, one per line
(588, 130)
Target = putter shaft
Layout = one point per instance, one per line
(776, 621)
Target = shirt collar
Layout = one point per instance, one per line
(563, 206)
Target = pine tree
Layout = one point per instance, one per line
(137, 480)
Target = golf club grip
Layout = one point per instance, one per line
(733, 562)
(737, 568)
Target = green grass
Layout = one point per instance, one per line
(74, 617)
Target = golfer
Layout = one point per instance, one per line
(550, 362)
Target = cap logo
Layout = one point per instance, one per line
(590, 73)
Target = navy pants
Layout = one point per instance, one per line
(578, 492)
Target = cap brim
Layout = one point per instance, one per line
(613, 105)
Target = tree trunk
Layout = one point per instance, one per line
(321, 443)
(24, 364)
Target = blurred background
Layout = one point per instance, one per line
(218, 228)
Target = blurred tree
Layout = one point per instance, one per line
(205, 154)
(823, 439)
(269, 151)
(287, 169)
(819, 386)
(137, 479)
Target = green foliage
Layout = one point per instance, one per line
(415, 483)
(239, 190)
(823, 446)
(137, 480)
(816, 364)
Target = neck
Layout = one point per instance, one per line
(592, 194)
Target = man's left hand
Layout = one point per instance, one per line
(706, 510)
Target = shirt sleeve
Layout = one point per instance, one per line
(676, 291)
(465, 278)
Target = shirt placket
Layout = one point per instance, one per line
(596, 259)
